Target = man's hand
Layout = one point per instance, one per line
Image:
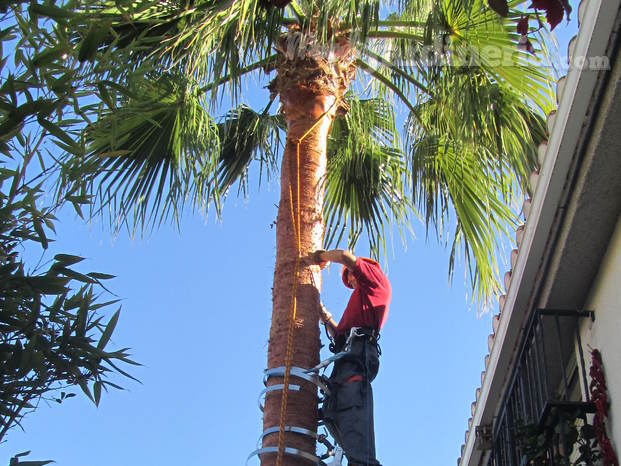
(327, 320)
(316, 258)
(324, 314)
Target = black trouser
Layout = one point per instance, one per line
(348, 411)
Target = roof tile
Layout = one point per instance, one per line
(507, 280)
(495, 324)
(519, 234)
(541, 152)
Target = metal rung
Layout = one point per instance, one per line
(275, 388)
(288, 451)
(296, 372)
(294, 429)
(301, 431)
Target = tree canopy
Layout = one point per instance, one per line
(169, 125)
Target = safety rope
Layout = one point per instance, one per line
(295, 221)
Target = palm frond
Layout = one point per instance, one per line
(471, 165)
(479, 37)
(245, 136)
(149, 154)
(453, 183)
(214, 41)
(386, 85)
(468, 106)
(365, 176)
(476, 110)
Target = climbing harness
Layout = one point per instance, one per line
(353, 333)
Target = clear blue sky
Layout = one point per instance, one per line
(196, 313)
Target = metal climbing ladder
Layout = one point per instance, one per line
(333, 451)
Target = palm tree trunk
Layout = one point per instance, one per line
(302, 110)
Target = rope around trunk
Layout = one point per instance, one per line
(295, 221)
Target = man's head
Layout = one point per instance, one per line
(348, 278)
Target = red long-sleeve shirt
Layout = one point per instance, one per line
(368, 304)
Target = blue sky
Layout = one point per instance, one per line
(196, 308)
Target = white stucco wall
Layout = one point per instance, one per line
(605, 333)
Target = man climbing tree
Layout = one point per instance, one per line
(348, 411)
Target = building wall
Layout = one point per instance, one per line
(605, 333)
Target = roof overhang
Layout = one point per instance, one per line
(574, 208)
(591, 209)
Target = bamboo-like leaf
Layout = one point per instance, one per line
(67, 259)
(100, 276)
(107, 333)
(75, 275)
(97, 392)
(87, 391)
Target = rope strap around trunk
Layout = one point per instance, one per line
(295, 220)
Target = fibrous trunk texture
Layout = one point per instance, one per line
(311, 92)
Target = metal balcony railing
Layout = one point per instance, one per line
(545, 393)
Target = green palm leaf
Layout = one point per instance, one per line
(478, 35)
(451, 176)
(150, 154)
(364, 186)
(207, 41)
(160, 148)
(245, 136)
(471, 166)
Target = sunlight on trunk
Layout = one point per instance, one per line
(302, 111)
(311, 84)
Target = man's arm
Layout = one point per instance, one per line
(341, 256)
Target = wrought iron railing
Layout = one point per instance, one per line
(537, 423)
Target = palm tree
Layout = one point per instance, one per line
(341, 72)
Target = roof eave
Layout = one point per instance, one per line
(566, 134)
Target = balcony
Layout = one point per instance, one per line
(544, 416)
